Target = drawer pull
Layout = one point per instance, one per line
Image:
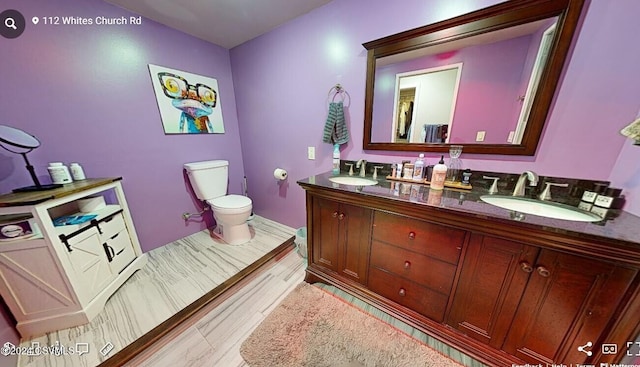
(412, 235)
(544, 272)
(109, 251)
(526, 267)
(115, 235)
(407, 264)
(402, 292)
(341, 216)
(334, 214)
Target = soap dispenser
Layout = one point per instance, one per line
(439, 175)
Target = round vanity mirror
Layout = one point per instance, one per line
(17, 138)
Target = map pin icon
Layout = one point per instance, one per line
(35, 20)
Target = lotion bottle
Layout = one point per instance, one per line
(418, 168)
(439, 175)
(336, 159)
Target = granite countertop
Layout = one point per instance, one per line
(618, 225)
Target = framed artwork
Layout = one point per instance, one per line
(188, 103)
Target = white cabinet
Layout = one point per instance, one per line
(62, 276)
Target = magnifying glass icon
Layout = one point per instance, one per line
(10, 23)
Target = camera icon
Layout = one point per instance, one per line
(609, 348)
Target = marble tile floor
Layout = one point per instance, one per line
(176, 275)
(214, 339)
(215, 336)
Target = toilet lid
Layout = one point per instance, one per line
(231, 202)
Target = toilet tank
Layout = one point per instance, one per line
(208, 178)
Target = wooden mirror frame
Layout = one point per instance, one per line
(504, 15)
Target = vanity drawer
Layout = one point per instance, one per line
(429, 272)
(438, 241)
(111, 225)
(119, 251)
(409, 294)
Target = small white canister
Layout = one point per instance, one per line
(77, 172)
(59, 173)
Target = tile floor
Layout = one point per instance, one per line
(176, 275)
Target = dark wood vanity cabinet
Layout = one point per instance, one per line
(502, 295)
(340, 237)
(536, 304)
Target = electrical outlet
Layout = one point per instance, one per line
(480, 135)
(510, 138)
(311, 153)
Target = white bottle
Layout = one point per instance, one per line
(336, 159)
(418, 168)
(59, 173)
(439, 175)
(77, 172)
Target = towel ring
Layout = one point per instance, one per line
(338, 90)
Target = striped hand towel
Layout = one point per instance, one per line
(335, 129)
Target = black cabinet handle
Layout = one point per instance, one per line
(109, 251)
(115, 235)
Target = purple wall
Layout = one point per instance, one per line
(85, 92)
(487, 95)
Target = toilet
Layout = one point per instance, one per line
(209, 182)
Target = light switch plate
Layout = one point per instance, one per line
(480, 135)
(311, 153)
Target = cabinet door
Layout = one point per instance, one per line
(324, 236)
(566, 304)
(341, 238)
(90, 263)
(354, 241)
(493, 276)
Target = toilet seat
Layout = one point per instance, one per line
(231, 204)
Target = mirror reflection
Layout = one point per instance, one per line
(475, 90)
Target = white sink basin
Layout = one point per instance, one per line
(540, 208)
(354, 181)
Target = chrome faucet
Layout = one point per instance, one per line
(362, 164)
(520, 185)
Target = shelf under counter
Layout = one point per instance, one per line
(102, 214)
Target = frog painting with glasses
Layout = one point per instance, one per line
(195, 101)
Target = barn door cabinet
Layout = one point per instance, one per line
(62, 276)
(503, 294)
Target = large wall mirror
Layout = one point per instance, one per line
(485, 80)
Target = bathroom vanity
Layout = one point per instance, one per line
(505, 291)
(61, 276)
